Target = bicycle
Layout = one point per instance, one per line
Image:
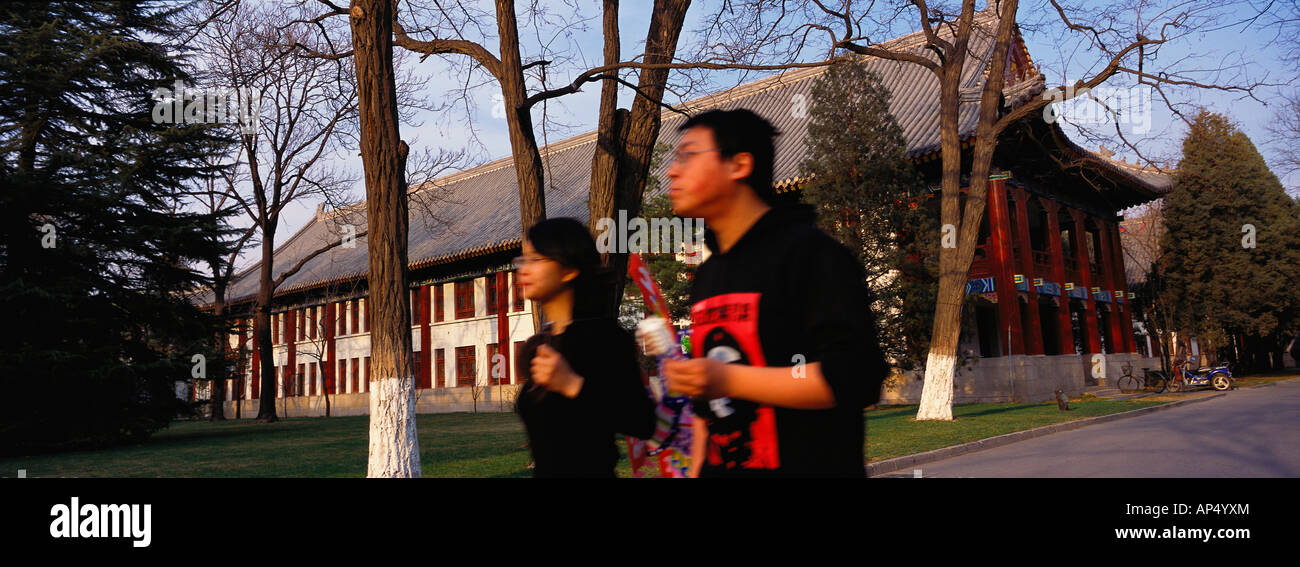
(1128, 383)
(1152, 380)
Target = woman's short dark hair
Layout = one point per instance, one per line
(568, 242)
(742, 131)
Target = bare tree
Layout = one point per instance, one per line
(303, 113)
(394, 448)
(215, 194)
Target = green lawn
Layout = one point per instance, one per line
(893, 431)
(451, 445)
(468, 445)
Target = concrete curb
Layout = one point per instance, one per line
(906, 461)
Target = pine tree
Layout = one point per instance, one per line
(95, 275)
(1232, 246)
(870, 198)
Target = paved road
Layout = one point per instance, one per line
(1246, 433)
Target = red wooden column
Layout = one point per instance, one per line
(422, 308)
(1090, 328)
(1121, 285)
(1004, 267)
(1033, 334)
(1110, 277)
(1065, 336)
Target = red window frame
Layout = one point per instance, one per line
(352, 378)
(519, 348)
(419, 358)
(354, 306)
(340, 377)
(438, 302)
(466, 367)
(464, 299)
(519, 292)
(440, 371)
(490, 289)
(365, 381)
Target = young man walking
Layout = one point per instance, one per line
(785, 345)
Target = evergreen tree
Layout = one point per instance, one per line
(95, 255)
(870, 198)
(671, 274)
(1232, 246)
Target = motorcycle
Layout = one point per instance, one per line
(1218, 377)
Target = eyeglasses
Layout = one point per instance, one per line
(682, 156)
(521, 261)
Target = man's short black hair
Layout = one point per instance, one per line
(742, 131)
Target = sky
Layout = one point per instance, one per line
(1244, 50)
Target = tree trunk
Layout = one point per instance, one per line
(626, 140)
(325, 386)
(936, 393)
(266, 353)
(394, 450)
(954, 264)
(218, 390)
(523, 143)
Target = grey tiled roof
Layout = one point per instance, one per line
(482, 213)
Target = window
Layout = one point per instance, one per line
(440, 361)
(340, 377)
(465, 366)
(365, 319)
(275, 329)
(412, 303)
(420, 359)
(311, 380)
(365, 380)
(298, 380)
(437, 302)
(519, 292)
(353, 314)
(465, 299)
(352, 379)
(490, 289)
(519, 348)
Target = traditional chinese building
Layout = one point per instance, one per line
(1048, 273)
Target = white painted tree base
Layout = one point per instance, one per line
(394, 448)
(936, 395)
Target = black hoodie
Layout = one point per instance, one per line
(785, 294)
